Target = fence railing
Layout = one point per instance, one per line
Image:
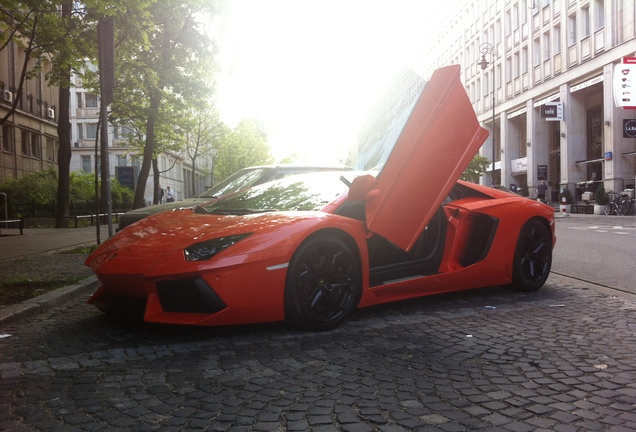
(35, 209)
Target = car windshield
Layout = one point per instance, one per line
(301, 192)
(237, 181)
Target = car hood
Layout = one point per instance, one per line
(435, 146)
(169, 231)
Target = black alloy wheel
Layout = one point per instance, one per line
(323, 283)
(533, 257)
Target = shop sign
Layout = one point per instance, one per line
(542, 172)
(519, 165)
(552, 111)
(608, 156)
(126, 176)
(629, 128)
(625, 83)
(586, 84)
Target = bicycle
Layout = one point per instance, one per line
(619, 204)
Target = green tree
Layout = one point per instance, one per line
(245, 145)
(476, 168)
(162, 71)
(203, 134)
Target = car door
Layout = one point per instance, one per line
(435, 146)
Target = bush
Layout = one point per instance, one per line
(567, 194)
(36, 193)
(600, 197)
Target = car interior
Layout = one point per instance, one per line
(388, 263)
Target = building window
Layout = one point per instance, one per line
(524, 60)
(90, 100)
(86, 163)
(536, 52)
(35, 146)
(122, 160)
(556, 39)
(25, 143)
(80, 131)
(91, 130)
(79, 100)
(51, 149)
(508, 23)
(522, 124)
(546, 46)
(572, 30)
(585, 22)
(126, 132)
(7, 138)
(599, 14)
(508, 70)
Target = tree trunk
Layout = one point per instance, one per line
(148, 150)
(156, 179)
(64, 151)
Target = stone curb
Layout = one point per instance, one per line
(29, 308)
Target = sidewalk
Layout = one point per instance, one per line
(40, 240)
(34, 241)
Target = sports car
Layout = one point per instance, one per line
(312, 248)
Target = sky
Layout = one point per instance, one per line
(309, 69)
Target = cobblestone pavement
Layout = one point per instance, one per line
(560, 359)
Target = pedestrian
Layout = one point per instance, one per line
(541, 190)
(161, 193)
(169, 195)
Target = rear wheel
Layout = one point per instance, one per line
(623, 206)
(533, 257)
(323, 283)
(608, 209)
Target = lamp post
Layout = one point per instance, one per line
(488, 48)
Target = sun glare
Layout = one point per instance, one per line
(309, 70)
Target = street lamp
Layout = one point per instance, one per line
(488, 48)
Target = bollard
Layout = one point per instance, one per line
(564, 208)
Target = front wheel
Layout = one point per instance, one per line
(608, 209)
(623, 207)
(323, 285)
(533, 257)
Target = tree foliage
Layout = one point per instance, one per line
(476, 168)
(202, 133)
(245, 145)
(61, 33)
(162, 70)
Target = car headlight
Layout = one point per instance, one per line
(207, 249)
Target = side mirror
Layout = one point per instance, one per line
(362, 188)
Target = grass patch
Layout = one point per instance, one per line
(16, 290)
(80, 250)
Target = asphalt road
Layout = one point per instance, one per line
(598, 249)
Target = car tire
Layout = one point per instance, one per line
(533, 257)
(323, 284)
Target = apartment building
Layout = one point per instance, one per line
(540, 76)
(29, 133)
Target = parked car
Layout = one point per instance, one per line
(244, 178)
(310, 249)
